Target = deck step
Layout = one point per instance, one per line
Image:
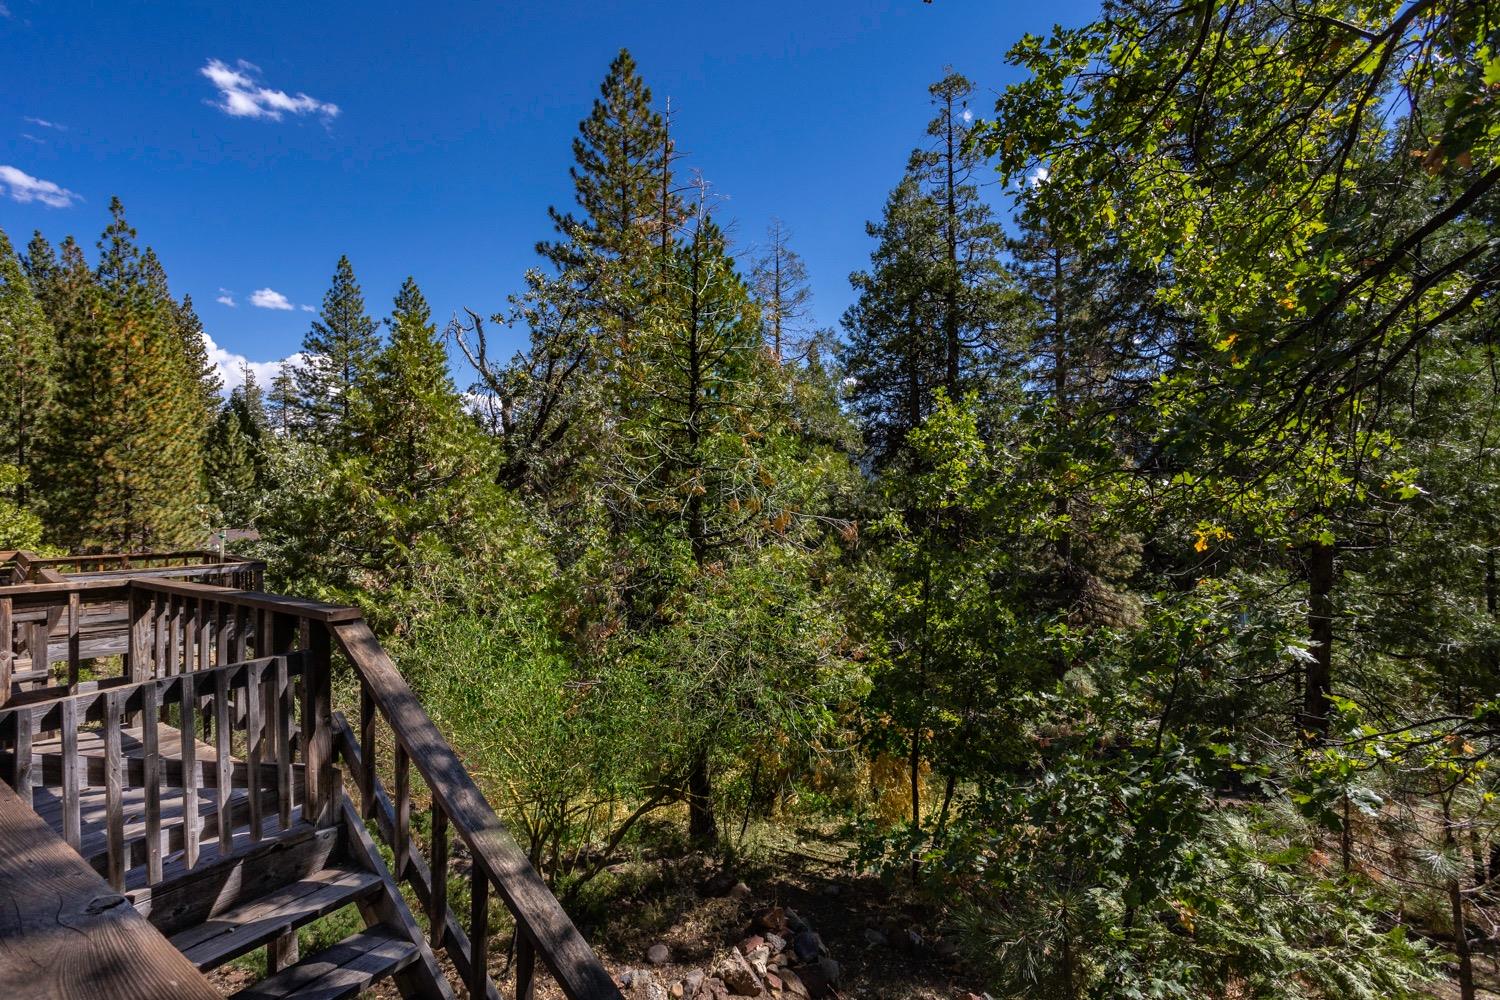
(344, 970)
(257, 921)
(187, 896)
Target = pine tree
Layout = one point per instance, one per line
(622, 183)
(339, 348)
(283, 405)
(710, 470)
(970, 279)
(127, 443)
(780, 282)
(229, 463)
(247, 403)
(28, 357)
(895, 351)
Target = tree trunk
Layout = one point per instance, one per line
(1460, 925)
(703, 827)
(1318, 681)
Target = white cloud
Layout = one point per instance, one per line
(24, 188)
(968, 115)
(231, 366)
(309, 309)
(1039, 178)
(226, 297)
(4, 10)
(269, 298)
(241, 94)
(44, 123)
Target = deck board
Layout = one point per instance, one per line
(65, 933)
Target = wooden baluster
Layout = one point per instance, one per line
(174, 638)
(437, 903)
(39, 660)
(151, 778)
(135, 648)
(20, 774)
(525, 966)
(479, 932)
(187, 734)
(367, 750)
(253, 693)
(158, 636)
(222, 763)
(241, 632)
(285, 709)
(114, 792)
(70, 771)
(74, 614)
(7, 650)
(403, 812)
(222, 633)
(205, 657)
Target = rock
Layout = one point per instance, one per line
(658, 954)
(758, 957)
(832, 889)
(911, 940)
(779, 960)
(719, 885)
(793, 984)
(713, 988)
(677, 991)
(751, 943)
(814, 982)
(691, 982)
(875, 937)
(641, 984)
(773, 981)
(795, 921)
(829, 968)
(805, 946)
(739, 891)
(945, 949)
(775, 942)
(738, 975)
(772, 918)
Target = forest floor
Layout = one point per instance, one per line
(886, 948)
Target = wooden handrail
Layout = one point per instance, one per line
(539, 917)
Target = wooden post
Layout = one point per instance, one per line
(367, 750)
(525, 965)
(317, 724)
(187, 734)
(403, 812)
(74, 613)
(7, 651)
(151, 778)
(114, 788)
(479, 932)
(437, 904)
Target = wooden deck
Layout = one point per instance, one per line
(65, 933)
(176, 799)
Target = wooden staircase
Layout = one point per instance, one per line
(200, 779)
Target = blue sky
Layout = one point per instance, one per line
(429, 140)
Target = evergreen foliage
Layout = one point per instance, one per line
(338, 351)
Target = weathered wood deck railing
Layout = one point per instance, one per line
(186, 648)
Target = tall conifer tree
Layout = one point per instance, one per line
(28, 359)
(340, 348)
(127, 456)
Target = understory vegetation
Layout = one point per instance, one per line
(1122, 573)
